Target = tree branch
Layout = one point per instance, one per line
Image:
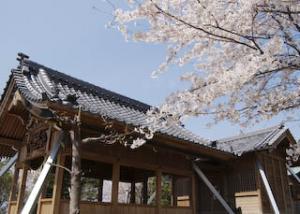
(60, 166)
(228, 39)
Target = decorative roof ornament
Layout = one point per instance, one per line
(21, 56)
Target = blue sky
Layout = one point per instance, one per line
(71, 37)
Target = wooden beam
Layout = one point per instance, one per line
(267, 187)
(10, 142)
(9, 164)
(212, 189)
(29, 205)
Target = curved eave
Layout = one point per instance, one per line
(12, 130)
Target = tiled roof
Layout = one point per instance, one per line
(40, 84)
(253, 141)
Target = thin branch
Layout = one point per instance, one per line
(292, 19)
(60, 166)
(109, 138)
(290, 67)
(252, 32)
(160, 10)
(279, 11)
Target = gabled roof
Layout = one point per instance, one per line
(40, 85)
(253, 141)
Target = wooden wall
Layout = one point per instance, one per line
(235, 177)
(276, 172)
(207, 203)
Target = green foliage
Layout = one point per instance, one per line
(151, 189)
(5, 185)
(89, 189)
(166, 190)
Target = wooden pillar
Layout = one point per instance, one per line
(145, 190)
(173, 191)
(132, 192)
(21, 192)
(14, 186)
(115, 186)
(194, 194)
(100, 190)
(158, 192)
(58, 182)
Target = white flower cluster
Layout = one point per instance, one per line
(293, 153)
(246, 54)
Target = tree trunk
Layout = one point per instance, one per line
(76, 172)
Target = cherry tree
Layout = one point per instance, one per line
(246, 54)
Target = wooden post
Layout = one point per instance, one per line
(115, 186)
(14, 186)
(173, 191)
(267, 187)
(145, 191)
(132, 193)
(212, 189)
(193, 199)
(100, 190)
(22, 187)
(58, 182)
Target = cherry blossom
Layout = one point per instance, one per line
(245, 54)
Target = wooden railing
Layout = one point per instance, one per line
(107, 208)
(45, 207)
